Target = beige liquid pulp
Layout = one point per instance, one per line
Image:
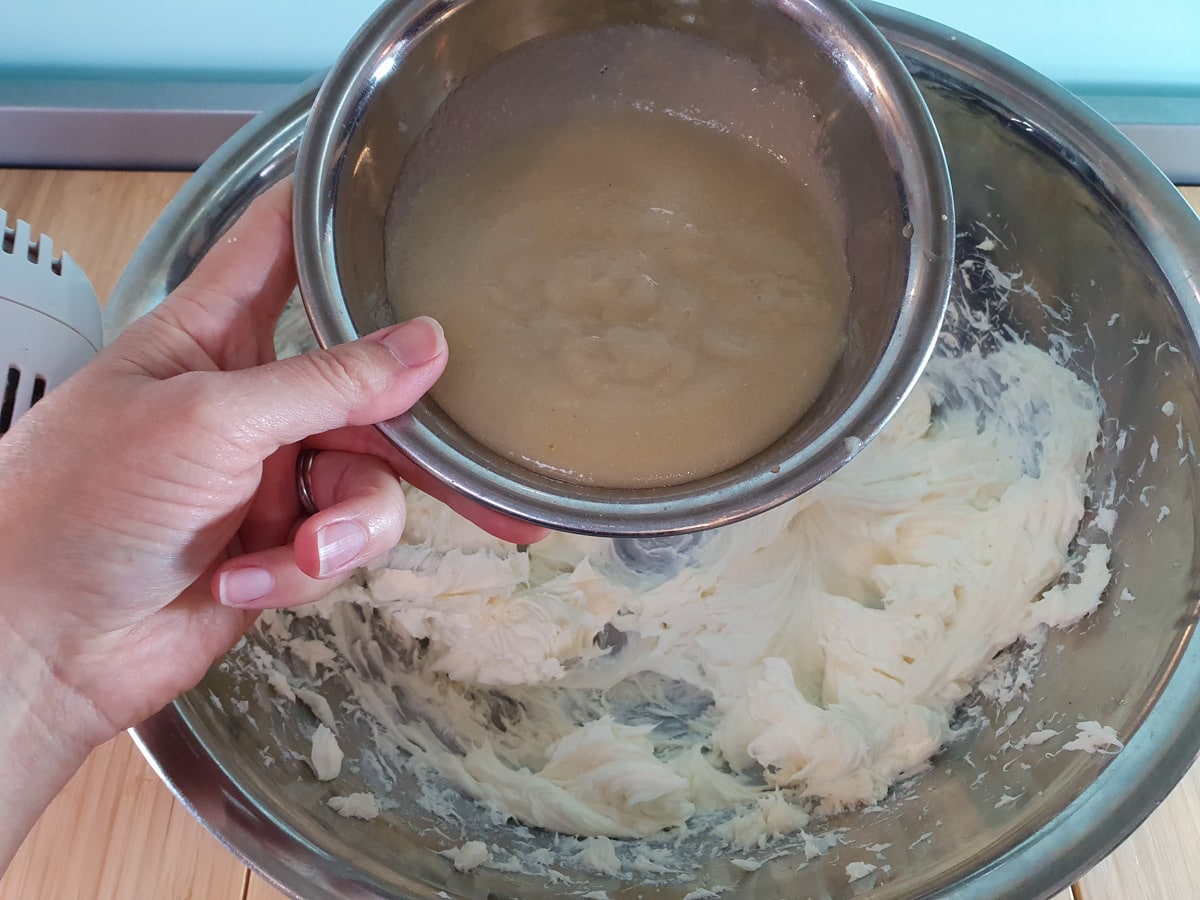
(630, 299)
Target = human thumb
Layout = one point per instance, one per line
(364, 382)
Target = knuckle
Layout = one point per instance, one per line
(200, 401)
(349, 371)
(205, 409)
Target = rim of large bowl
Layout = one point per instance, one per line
(746, 490)
(1134, 781)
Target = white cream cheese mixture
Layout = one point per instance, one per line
(736, 681)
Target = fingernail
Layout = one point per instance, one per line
(338, 546)
(416, 342)
(238, 587)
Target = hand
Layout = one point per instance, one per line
(160, 480)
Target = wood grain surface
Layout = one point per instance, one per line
(116, 832)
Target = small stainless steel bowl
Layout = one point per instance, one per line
(880, 152)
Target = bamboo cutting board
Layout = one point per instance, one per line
(116, 833)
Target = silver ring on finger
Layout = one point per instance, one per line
(304, 489)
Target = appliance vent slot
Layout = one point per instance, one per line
(10, 398)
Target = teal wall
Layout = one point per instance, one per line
(1136, 45)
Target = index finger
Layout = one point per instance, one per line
(230, 304)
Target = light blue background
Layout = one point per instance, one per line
(1135, 45)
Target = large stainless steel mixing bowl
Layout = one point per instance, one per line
(877, 168)
(1112, 252)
